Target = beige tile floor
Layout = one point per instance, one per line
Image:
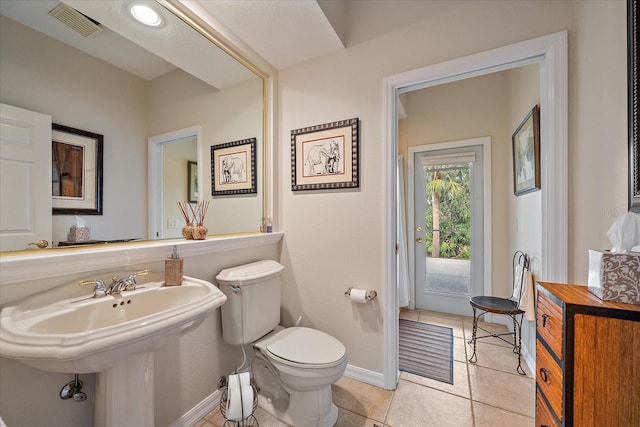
(483, 394)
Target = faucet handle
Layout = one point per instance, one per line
(100, 289)
(130, 281)
(140, 273)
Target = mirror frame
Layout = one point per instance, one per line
(634, 126)
(231, 47)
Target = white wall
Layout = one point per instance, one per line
(80, 91)
(598, 165)
(334, 239)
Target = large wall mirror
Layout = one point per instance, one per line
(133, 85)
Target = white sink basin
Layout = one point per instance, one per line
(77, 335)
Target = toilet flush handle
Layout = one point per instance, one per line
(235, 289)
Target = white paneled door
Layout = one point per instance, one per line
(25, 178)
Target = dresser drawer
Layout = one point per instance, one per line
(543, 413)
(549, 378)
(549, 323)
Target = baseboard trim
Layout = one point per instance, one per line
(529, 359)
(198, 412)
(365, 376)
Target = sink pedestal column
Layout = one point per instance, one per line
(124, 393)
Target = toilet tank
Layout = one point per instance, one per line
(252, 308)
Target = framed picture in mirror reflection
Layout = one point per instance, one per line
(76, 171)
(233, 168)
(192, 179)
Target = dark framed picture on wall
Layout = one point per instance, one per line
(233, 168)
(192, 180)
(326, 157)
(76, 171)
(526, 154)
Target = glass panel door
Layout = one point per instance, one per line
(448, 210)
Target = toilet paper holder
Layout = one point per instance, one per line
(248, 421)
(370, 294)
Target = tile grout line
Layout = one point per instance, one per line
(466, 360)
(393, 396)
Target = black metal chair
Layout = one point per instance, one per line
(508, 306)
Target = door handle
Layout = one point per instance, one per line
(419, 239)
(40, 244)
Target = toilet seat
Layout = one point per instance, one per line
(303, 348)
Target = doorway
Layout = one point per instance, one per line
(550, 52)
(448, 223)
(170, 155)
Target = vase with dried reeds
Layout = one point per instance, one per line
(185, 209)
(200, 231)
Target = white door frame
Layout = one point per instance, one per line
(485, 142)
(155, 172)
(550, 52)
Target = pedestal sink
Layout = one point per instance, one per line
(114, 336)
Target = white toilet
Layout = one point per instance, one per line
(294, 367)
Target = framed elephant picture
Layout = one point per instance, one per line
(233, 168)
(325, 157)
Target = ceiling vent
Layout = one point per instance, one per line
(75, 20)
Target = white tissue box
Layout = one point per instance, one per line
(615, 276)
(79, 234)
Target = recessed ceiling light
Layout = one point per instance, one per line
(145, 14)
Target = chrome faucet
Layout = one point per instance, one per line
(130, 282)
(116, 286)
(99, 290)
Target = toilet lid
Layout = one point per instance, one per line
(306, 346)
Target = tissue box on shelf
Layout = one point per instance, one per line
(615, 276)
(79, 234)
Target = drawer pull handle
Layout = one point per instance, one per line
(544, 375)
(545, 317)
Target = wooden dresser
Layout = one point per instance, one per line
(587, 359)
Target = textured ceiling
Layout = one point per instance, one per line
(283, 32)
